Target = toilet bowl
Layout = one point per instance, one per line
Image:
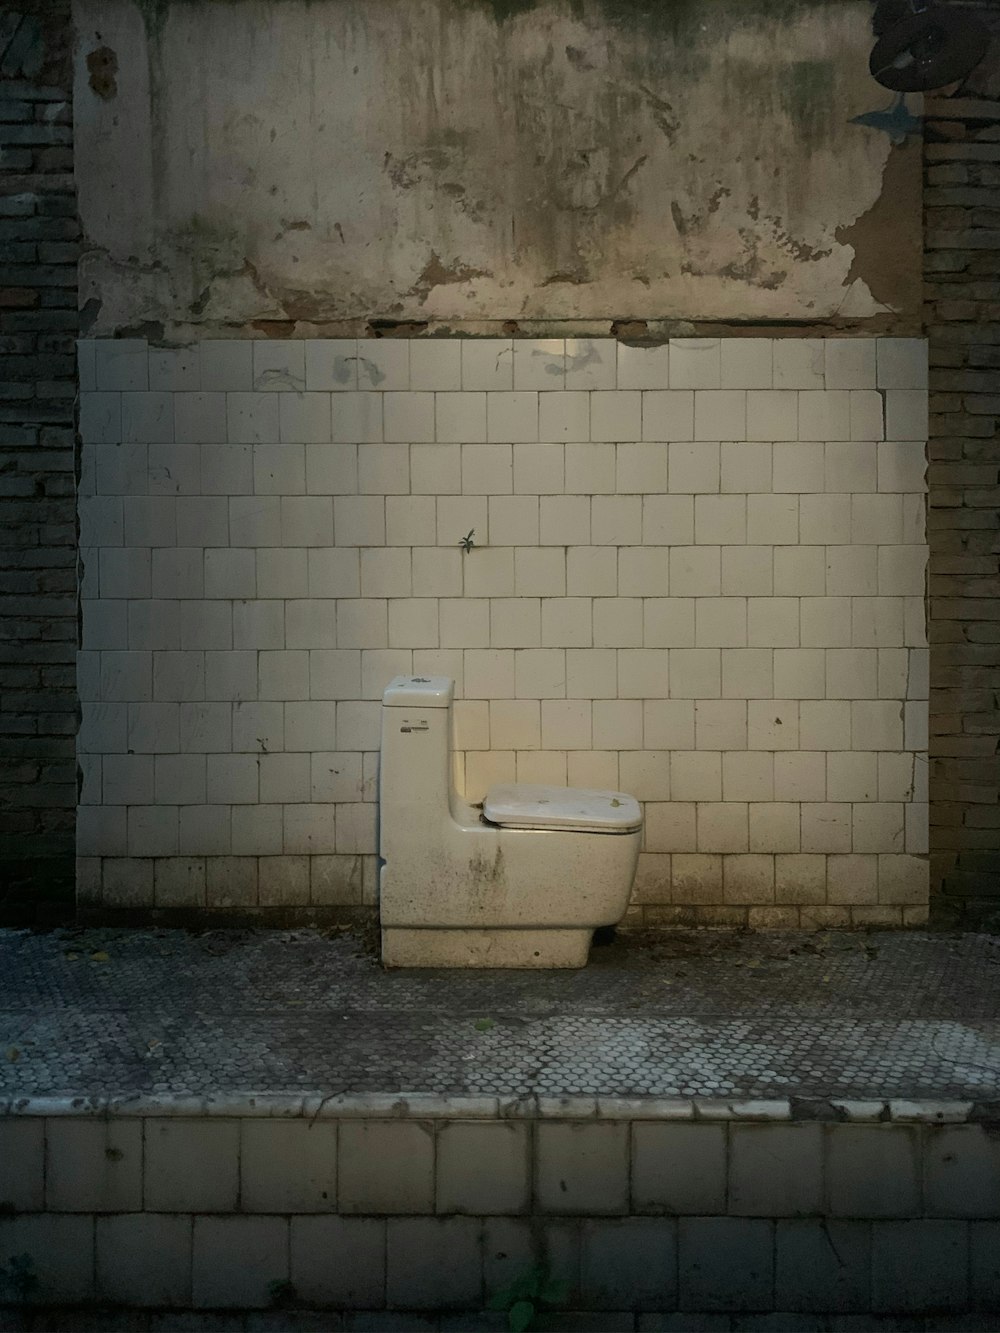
(521, 881)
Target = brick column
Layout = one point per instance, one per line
(962, 198)
(38, 323)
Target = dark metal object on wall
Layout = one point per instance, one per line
(922, 46)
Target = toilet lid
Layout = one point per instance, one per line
(524, 805)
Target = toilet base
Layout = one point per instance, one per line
(485, 948)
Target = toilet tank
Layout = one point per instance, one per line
(414, 768)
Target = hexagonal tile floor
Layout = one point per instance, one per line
(689, 1014)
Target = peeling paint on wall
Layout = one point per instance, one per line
(329, 164)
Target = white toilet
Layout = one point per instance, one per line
(520, 882)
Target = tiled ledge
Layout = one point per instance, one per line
(419, 1106)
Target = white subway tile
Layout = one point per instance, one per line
(512, 418)
(850, 363)
(800, 775)
(799, 673)
(539, 363)
(460, 418)
(410, 520)
(645, 774)
(694, 468)
(594, 770)
(334, 674)
(306, 520)
(902, 363)
(304, 418)
(667, 520)
(876, 520)
(641, 468)
(590, 469)
(254, 521)
(695, 571)
(745, 468)
(121, 363)
(331, 364)
(616, 520)
(100, 418)
(487, 469)
(200, 418)
(720, 414)
(799, 363)
(772, 414)
(774, 827)
(901, 571)
(618, 622)
(902, 466)
(747, 673)
(720, 520)
(487, 363)
(696, 775)
(385, 572)
(642, 571)
(851, 776)
(591, 673)
(226, 469)
(489, 673)
(617, 724)
(695, 363)
(147, 418)
(465, 623)
(747, 571)
(827, 519)
(384, 469)
(515, 622)
(566, 724)
(283, 675)
(436, 363)
(279, 469)
(359, 520)
(668, 724)
(867, 415)
(515, 724)
(252, 418)
(564, 416)
(643, 367)
(850, 467)
(747, 363)
(720, 724)
(616, 414)
(258, 624)
(206, 625)
(642, 673)
(772, 519)
(876, 724)
(356, 418)
(379, 666)
(357, 724)
(906, 414)
(720, 622)
(408, 417)
(540, 673)
(826, 827)
(331, 572)
(489, 571)
(591, 363)
(825, 622)
(695, 673)
(877, 622)
(748, 775)
(722, 827)
(483, 771)
(797, 467)
(539, 469)
(231, 675)
(851, 571)
(564, 520)
(384, 363)
(413, 623)
(825, 415)
(435, 469)
(363, 623)
(668, 414)
(773, 724)
(513, 520)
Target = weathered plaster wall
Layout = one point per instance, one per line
(294, 166)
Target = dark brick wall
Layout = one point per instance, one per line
(962, 203)
(38, 322)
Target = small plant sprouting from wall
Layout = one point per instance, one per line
(528, 1295)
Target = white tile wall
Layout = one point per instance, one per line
(698, 573)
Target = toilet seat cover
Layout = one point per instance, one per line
(525, 805)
